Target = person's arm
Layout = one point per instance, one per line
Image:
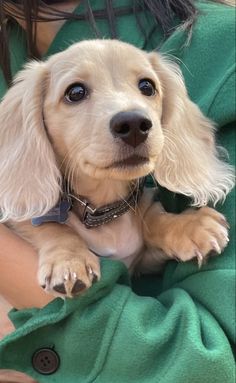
(18, 265)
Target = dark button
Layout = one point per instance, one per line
(45, 361)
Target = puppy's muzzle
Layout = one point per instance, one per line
(132, 127)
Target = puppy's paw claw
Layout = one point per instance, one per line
(199, 257)
(203, 232)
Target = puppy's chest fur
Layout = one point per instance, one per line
(121, 239)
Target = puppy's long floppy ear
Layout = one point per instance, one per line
(190, 162)
(29, 176)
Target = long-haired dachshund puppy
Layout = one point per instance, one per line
(78, 134)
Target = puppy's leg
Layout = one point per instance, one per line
(191, 234)
(66, 266)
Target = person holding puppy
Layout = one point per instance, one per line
(183, 330)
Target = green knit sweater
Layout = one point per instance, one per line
(179, 327)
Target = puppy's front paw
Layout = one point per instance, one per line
(196, 234)
(65, 274)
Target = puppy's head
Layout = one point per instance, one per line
(107, 110)
(103, 110)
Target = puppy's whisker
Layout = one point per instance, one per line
(154, 180)
(70, 169)
(72, 173)
(131, 207)
(136, 200)
(171, 57)
(68, 174)
(73, 149)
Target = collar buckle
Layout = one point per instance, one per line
(88, 209)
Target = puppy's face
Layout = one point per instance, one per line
(103, 110)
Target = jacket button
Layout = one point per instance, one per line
(45, 361)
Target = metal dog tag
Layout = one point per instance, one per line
(57, 214)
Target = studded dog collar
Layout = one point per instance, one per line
(93, 217)
(90, 216)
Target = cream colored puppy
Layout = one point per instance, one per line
(97, 118)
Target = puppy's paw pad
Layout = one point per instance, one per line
(78, 287)
(61, 289)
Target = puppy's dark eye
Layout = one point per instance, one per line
(147, 87)
(76, 93)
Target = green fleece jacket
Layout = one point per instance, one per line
(173, 328)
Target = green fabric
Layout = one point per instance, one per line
(179, 328)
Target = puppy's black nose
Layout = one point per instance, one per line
(132, 127)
